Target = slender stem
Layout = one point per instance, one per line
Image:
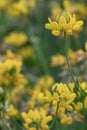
(54, 119)
(67, 60)
(68, 63)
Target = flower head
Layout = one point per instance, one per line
(36, 119)
(64, 23)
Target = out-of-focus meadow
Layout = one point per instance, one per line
(39, 88)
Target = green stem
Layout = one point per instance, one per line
(67, 60)
(54, 119)
(68, 63)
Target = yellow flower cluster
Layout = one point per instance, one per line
(3, 4)
(69, 108)
(41, 102)
(10, 71)
(79, 8)
(57, 60)
(74, 57)
(17, 39)
(17, 8)
(43, 84)
(12, 83)
(59, 96)
(64, 23)
(11, 112)
(65, 97)
(36, 119)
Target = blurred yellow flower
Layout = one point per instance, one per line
(11, 111)
(15, 38)
(74, 57)
(10, 71)
(78, 106)
(57, 60)
(45, 82)
(55, 11)
(66, 119)
(64, 23)
(18, 8)
(3, 4)
(26, 52)
(79, 8)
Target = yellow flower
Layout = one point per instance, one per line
(83, 86)
(10, 64)
(55, 11)
(79, 8)
(38, 118)
(3, 4)
(66, 120)
(10, 71)
(15, 38)
(45, 82)
(48, 97)
(78, 106)
(18, 8)
(57, 60)
(55, 98)
(11, 112)
(64, 23)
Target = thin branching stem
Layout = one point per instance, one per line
(54, 119)
(68, 64)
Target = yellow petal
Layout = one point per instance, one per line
(76, 28)
(48, 26)
(73, 19)
(62, 20)
(80, 23)
(56, 32)
(50, 21)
